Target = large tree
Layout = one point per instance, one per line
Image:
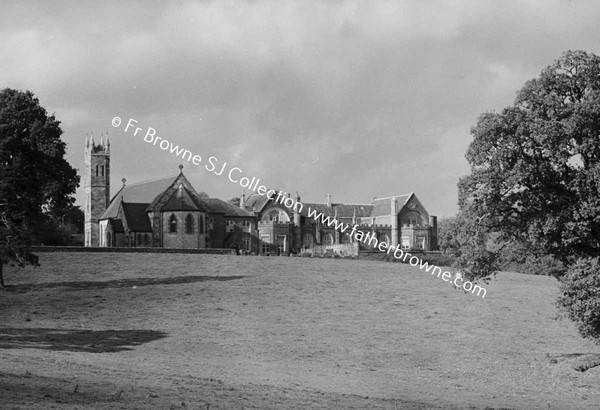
(535, 178)
(36, 182)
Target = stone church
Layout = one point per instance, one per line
(170, 213)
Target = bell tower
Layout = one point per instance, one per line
(97, 187)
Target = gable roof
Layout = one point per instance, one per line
(215, 205)
(116, 225)
(140, 193)
(256, 202)
(383, 206)
(181, 200)
(161, 200)
(136, 217)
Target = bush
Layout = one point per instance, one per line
(580, 296)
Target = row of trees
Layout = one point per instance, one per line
(534, 187)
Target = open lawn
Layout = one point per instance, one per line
(166, 331)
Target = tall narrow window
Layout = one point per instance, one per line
(173, 224)
(189, 224)
(96, 170)
(102, 170)
(200, 224)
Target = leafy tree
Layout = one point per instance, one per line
(535, 173)
(235, 201)
(36, 182)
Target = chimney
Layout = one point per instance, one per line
(328, 200)
(242, 200)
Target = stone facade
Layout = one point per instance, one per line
(96, 187)
(170, 213)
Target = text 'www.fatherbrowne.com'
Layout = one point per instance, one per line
(237, 176)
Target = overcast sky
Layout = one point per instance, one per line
(350, 98)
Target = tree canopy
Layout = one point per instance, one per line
(535, 178)
(36, 182)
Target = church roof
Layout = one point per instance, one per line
(136, 217)
(383, 206)
(116, 225)
(215, 205)
(181, 200)
(140, 193)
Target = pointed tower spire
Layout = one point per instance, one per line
(101, 140)
(92, 140)
(107, 144)
(87, 141)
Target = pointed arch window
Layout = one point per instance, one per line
(189, 224)
(173, 224)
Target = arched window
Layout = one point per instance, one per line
(346, 238)
(146, 239)
(173, 224)
(384, 238)
(189, 224)
(328, 239)
(307, 240)
(201, 224)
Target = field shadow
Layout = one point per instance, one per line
(76, 340)
(120, 283)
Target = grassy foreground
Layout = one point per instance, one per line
(90, 330)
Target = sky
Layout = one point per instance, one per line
(356, 99)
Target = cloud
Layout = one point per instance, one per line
(356, 99)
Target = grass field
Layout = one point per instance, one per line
(90, 330)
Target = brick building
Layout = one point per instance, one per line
(170, 213)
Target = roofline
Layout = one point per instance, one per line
(393, 196)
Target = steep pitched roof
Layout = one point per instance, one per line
(116, 225)
(136, 217)
(383, 206)
(215, 205)
(181, 200)
(180, 182)
(256, 202)
(141, 193)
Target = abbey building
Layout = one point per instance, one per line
(170, 213)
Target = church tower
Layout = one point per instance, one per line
(97, 186)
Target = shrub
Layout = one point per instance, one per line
(580, 296)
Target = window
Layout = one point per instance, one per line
(274, 216)
(346, 238)
(328, 239)
(247, 226)
(201, 224)
(189, 224)
(230, 225)
(247, 243)
(147, 239)
(102, 170)
(308, 240)
(405, 242)
(281, 244)
(96, 170)
(384, 238)
(265, 243)
(138, 239)
(173, 224)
